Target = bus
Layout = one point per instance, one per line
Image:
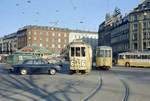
(104, 57)
(134, 59)
(80, 57)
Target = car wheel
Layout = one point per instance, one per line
(23, 72)
(52, 71)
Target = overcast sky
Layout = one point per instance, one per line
(72, 14)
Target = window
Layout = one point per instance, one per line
(59, 34)
(77, 51)
(29, 32)
(107, 53)
(72, 51)
(53, 34)
(101, 53)
(135, 26)
(65, 35)
(135, 46)
(144, 45)
(59, 46)
(144, 17)
(28, 62)
(144, 25)
(135, 36)
(83, 51)
(59, 40)
(38, 62)
(34, 38)
(53, 46)
(144, 35)
(35, 33)
(135, 18)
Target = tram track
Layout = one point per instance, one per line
(98, 88)
(126, 87)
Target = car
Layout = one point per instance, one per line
(36, 65)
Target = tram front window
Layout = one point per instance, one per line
(78, 51)
(72, 51)
(83, 51)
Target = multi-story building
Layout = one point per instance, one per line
(1, 45)
(89, 37)
(53, 39)
(128, 33)
(140, 26)
(9, 43)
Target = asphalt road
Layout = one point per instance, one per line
(117, 84)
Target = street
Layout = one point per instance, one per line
(117, 84)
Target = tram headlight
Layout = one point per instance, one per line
(83, 64)
(72, 63)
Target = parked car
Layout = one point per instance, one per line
(36, 65)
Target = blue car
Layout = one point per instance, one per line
(36, 65)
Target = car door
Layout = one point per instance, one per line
(36, 66)
(43, 66)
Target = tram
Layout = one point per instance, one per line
(80, 57)
(104, 57)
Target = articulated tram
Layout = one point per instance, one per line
(80, 57)
(104, 57)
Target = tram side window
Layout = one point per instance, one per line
(83, 51)
(77, 51)
(72, 51)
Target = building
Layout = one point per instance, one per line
(9, 43)
(53, 39)
(88, 37)
(128, 33)
(140, 26)
(1, 45)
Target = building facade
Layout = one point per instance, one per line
(128, 33)
(9, 43)
(1, 45)
(140, 26)
(53, 39)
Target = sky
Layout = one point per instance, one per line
(73, 14)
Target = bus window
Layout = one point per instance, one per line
(72, 51)
(144, 56)
(83, 51)
(148, 56)
(121, 56)
(77, 51)
(139, 57)
(127, 56)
